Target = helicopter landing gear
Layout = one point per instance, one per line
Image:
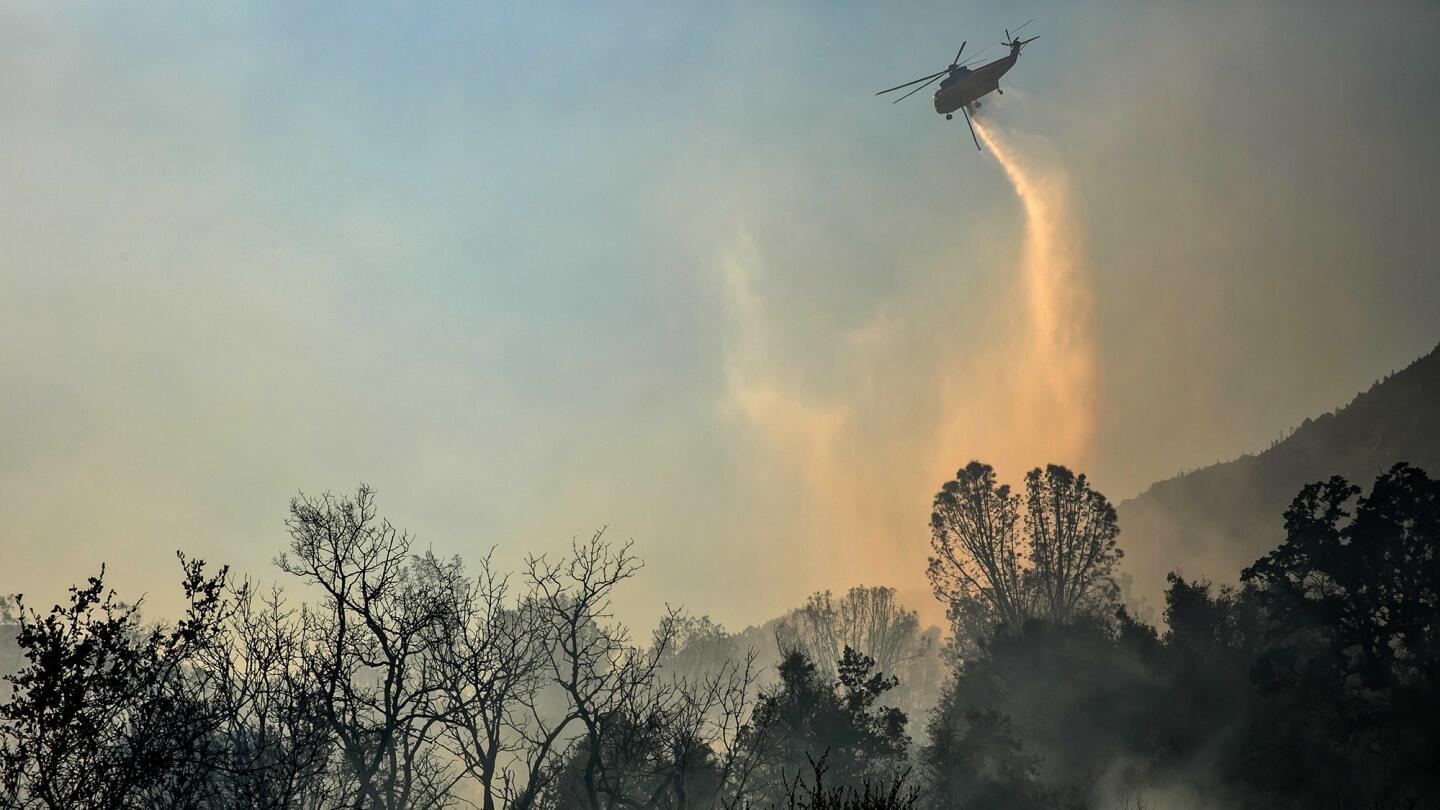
(1001, 92)
(949, 117)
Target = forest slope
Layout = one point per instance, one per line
(1214, 521)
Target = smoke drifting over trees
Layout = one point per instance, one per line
(675, 269)
(402, 680)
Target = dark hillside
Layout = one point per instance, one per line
(1214, 521)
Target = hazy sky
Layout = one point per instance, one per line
(530, 269)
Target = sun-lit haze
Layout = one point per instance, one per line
(677, 271)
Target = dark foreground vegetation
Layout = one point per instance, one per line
(402, 680)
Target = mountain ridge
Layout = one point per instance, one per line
(1215, 520)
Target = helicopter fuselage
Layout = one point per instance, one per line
(964, 87)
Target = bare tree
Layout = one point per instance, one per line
(274, 746)
(867, 620)
(366, 645)
(546, 695)
(591, 659)
(489, 662)
(403, 677)
(677, 743)
(712, 711)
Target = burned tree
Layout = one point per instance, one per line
(366, 645)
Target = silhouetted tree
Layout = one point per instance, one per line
(807, 715)
(1204, 660)
(671, 746)
(979, 564)
(103, 713)
(367, 643)
(1314, 683)
(889, 793)
(1071, 531)
(997, 565)
(590, 657)
(489, 663)
(1354, 646)
(870, 621)
(273, 748)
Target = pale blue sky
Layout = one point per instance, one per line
(475, 254)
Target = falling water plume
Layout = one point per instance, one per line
(1052, 367)
(1019, 392)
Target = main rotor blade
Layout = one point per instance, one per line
(907, 84)
(975, 57)
(956, 60)
(1022, 25)
(918, 89)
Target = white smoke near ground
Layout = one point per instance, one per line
(1019, 395)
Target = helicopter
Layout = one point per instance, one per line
(964, 86)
